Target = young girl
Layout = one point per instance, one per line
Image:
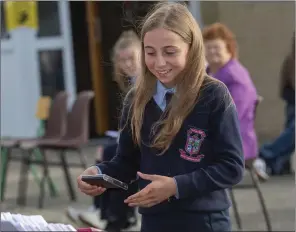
(179, 132)
(125, 55)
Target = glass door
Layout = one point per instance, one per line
(53, 44)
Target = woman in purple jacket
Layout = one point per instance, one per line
(221, 54)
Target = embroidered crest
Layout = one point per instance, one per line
(195, 138)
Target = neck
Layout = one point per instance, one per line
(169, 85)
(214, 68)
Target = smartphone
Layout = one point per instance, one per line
(104, 181)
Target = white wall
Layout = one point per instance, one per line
(20, 75)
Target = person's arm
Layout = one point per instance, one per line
(125, 164)
(242, 94)
(227, 168)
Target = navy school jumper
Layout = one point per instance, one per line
(205, 158)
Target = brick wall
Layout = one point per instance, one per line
(263, 31)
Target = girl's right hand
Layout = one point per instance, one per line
(86, 188)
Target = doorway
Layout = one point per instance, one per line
(94, 33)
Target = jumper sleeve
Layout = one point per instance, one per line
(227, 168)
(126, 163)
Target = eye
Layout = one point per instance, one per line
(170, 52)
(150, 53)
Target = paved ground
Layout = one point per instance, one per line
(279, 194)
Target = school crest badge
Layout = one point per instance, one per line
(195, 137)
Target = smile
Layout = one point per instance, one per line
(164, 72)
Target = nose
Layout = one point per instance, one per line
(128, 63)
(160, 61)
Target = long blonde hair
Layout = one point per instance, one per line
(176, 18)
(127, 39)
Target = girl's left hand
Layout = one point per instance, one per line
(160, 189)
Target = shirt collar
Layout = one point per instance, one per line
(161, 91)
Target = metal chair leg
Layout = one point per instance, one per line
(255, 181)
(235, 210)
(83, 159)
(68, 177)
(52, 188)
(43, 180)
(5, 158)
(23, 179)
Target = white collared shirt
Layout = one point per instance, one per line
(160, 93)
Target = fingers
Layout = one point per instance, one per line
(147, 176)
(84, 185)
(139, 196)
(88, 189)
(144, 203)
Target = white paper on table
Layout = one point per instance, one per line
(21, 222)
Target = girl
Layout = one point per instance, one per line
(179, 132)
(223, 64)
(125, 54)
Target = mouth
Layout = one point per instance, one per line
(164, 72)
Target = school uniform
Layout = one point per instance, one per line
(113, 208)
(205, 158)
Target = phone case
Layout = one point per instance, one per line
(104, 181)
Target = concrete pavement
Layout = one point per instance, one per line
(279, 193)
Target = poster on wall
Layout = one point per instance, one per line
(21, 14)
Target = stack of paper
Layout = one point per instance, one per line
(18, 222)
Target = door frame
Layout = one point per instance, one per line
(61, 42)
(95, 53)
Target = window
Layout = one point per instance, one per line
(51, 72)
(49, 18)
(4, 33)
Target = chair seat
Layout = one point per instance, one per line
(30, 144)
(14, 142)
(65, 143)
(8, 143)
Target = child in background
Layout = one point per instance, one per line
(126, 67)
(179, 132)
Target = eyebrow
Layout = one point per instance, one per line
(169, 46)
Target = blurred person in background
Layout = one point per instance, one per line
(110, 206)
(277, 154)
(223, 64)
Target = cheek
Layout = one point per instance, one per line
(122, 66)
(179, 63)
(224, 53)
(149, 62)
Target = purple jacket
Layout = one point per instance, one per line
(236, 77)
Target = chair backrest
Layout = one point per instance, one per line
(43, 106)
(56, 124)
(78, 118)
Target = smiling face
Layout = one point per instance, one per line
(217, 53)
(128, 60)
(165, 55)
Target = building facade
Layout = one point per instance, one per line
(264, 31)
(56, 57)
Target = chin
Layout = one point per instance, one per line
(167, 81)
